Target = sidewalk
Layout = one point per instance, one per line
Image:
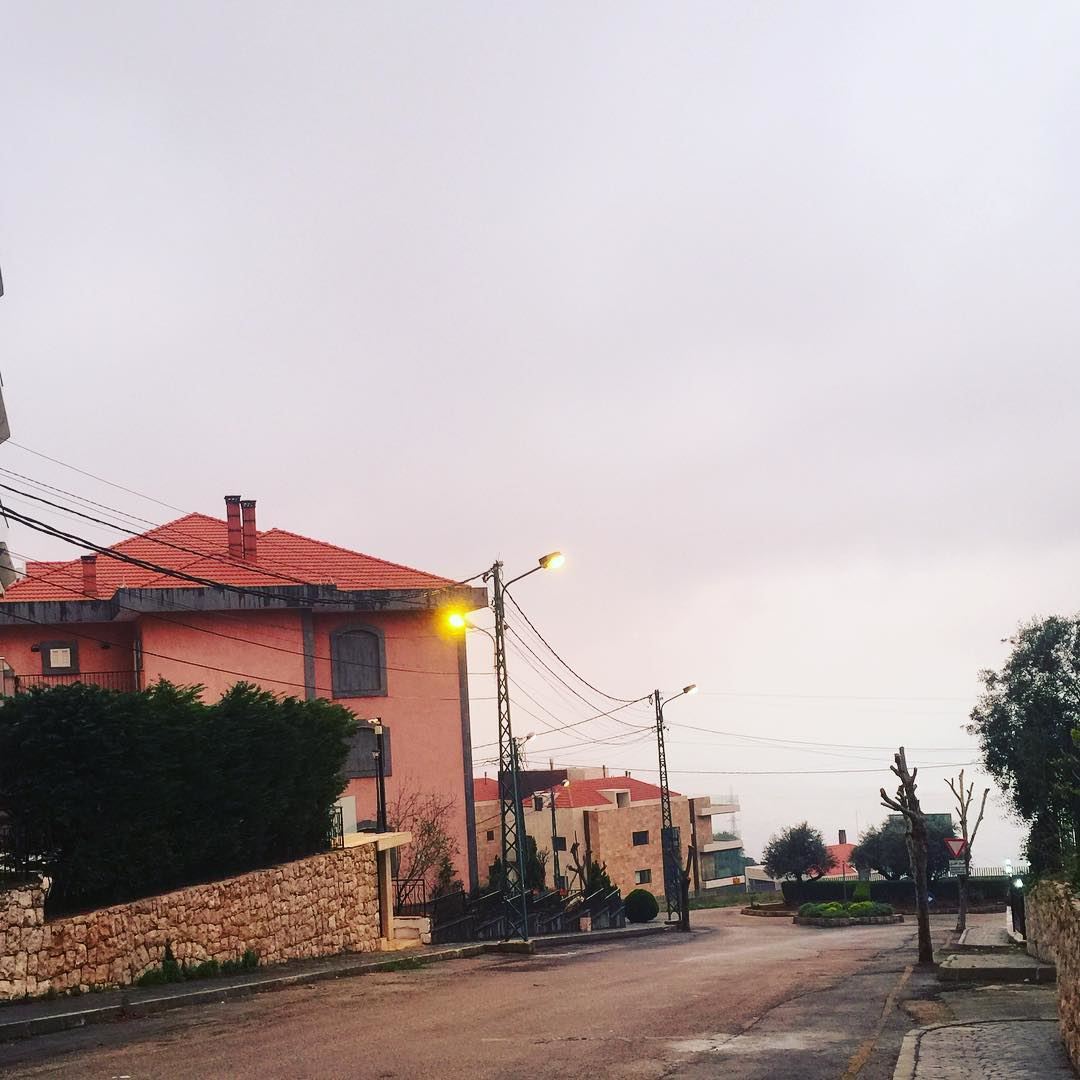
(996, 1032)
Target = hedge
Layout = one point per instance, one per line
(133, 794)
(901, 894)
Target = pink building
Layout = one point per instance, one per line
(201, 600)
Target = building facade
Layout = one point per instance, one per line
(613, 820)
(211, 602)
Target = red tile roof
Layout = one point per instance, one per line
(284, 559)
(580, 794)
(485, 789)
(843, 865)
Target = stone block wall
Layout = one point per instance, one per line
(317, 906)
(1052, 915)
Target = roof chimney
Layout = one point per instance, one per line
(89, 574)
(251, 540)
(232, 514)
(843, 836)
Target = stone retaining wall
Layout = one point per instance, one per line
(312, 907)
(1052, 917)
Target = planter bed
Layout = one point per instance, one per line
(774, 911)
(866, 920)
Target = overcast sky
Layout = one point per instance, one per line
(764, 313)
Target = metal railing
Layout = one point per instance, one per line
(107, 680)
(335, 828)
(410, 896)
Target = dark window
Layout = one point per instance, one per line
(361, 759)
(59, 657)
(641, 838)
(491, 834)
(559, 843)
(642, 877)
(538, 802)
(358, 662)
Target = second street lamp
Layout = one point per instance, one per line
(669, 838)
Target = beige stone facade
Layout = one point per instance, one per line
(604, 833)
(1052, 915)
(325, 904)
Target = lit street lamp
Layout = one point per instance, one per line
(515, 900)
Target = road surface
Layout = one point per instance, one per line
(739, 997)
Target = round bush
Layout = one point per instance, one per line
(641, 906)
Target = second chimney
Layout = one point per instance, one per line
(843, 836)
(89, 574)
(251, 539)
(232, 515)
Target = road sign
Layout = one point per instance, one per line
(957, 846)
(957, 867)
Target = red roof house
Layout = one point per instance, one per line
(211, 602)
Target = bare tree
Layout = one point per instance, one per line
(907, 803)
(963, 806)
(427, 815)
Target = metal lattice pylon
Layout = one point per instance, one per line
(513, 831)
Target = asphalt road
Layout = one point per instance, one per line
(739, 997)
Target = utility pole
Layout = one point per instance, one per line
(669, 835)
(515, 903)
(669, 843)
(554, 849)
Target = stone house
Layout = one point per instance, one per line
(614, 819)
(212, 602)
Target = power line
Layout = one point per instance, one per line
(81, 635)
(100, 479)
(243, 640)
(826, 697)
(779, 772)
(180, 574)
(799, 742)
(551, 649)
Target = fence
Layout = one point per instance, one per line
(457, 917)
(107, 680)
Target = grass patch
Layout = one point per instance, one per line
(406, 963)
(169, 971)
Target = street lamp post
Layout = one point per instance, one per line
(515, 896)
(380, 777)
(669, 840)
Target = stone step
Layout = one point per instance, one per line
(1010, 967)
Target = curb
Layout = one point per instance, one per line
(126, 1010)
(908, 1061)
(553, 941)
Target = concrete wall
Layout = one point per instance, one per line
(16, 646)
(313, 907)
(1052, 914)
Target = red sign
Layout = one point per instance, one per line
(957, 846)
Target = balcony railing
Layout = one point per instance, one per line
(107, 680)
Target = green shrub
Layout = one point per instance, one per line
(140, 793)
(862, 891)
(859, 909)
(641, 906)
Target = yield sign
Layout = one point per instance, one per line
(956, 845)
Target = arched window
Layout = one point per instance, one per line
(358, 662)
